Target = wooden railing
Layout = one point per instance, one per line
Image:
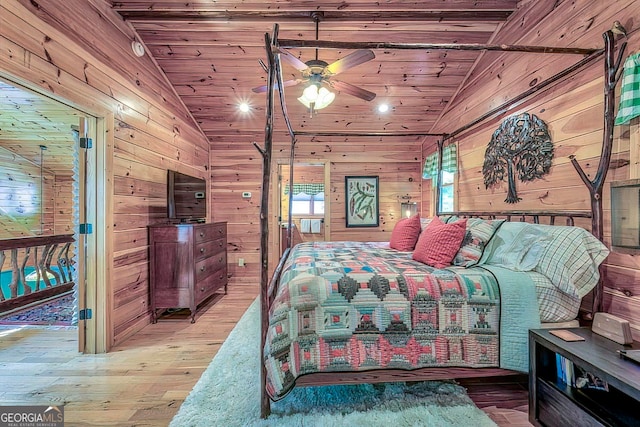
(37, 254)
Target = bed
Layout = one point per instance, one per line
(347, 312)
(555, 284)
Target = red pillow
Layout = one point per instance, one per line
(439, 242)
(405, 234)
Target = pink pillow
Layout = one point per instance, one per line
(405, 234)
(439, 242)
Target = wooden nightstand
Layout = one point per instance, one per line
(554, 403)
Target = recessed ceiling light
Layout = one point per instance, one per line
(244, 107)
(383, 108)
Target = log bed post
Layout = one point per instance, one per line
(265, 406)
(439, 176)
(595, 186)
(292, 150)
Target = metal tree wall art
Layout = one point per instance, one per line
(521, 145)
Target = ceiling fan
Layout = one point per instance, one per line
(318, 74)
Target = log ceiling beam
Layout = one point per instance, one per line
(326, 44)
(360, 16)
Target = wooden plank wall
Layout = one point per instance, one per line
(47, 46)
(62, 200)
(20, 198)
(573, 111)
(237, 168)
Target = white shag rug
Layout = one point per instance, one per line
(228, 394)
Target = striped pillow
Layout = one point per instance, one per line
(478, 234)
(571, 259)
(405, 234)
(439, 242)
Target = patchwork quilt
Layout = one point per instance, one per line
(354, 306)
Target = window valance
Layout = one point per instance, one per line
(310, 189)
(449, 162)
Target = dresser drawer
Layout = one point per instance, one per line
(210, 248)
(207, 232)
(210, 284)
(207, 266)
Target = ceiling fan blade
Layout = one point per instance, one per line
(356, 58)
(352, 90)
(297, 63)
(287, 83)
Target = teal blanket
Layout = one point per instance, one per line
(518, 313)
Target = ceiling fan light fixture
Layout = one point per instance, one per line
(316, 99)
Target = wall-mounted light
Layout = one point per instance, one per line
(244, 107)
(407, 207)
(137, 48)
(383, 108)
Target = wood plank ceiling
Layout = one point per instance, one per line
(210, 52)
(29, 121)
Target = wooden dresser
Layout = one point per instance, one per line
(188, 264)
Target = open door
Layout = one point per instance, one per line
(56, 143)
(309, 208)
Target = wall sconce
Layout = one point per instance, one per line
(407, 207)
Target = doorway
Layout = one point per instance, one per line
(42, 153)
(309, 203)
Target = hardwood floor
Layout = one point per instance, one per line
(143, 381)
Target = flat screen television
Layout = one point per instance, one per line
(186, 197)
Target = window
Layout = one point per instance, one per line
(447, 191)
(449, 169)
(308, 204)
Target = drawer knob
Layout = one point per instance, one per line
(202, 234)
(202, 268)
(201, 289)
(201, 250)
(220, 244)
(221, 259)
(221, 276)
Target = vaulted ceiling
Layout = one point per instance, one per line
(210, 51)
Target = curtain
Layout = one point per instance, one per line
(310, 189)
(630, 91)
(449, 162)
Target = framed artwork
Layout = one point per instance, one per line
(361, 201)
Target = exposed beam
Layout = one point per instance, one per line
(325, 133)
(326, 44)
(361, 16)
